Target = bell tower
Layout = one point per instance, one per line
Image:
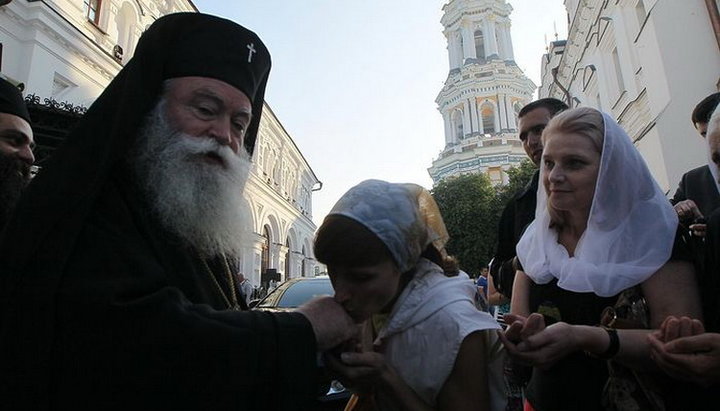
(482, 94)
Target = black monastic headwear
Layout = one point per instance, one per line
(11, 101)
(53, 208)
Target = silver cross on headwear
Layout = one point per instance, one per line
(251, 48)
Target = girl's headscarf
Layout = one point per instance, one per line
(404, 217)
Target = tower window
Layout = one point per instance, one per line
(479, 44)
(488, 118)
(458, 121)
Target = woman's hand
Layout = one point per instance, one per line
(360, 371)
(538, 345)
(520, 328)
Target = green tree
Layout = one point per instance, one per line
(469, 207)
(519, 177)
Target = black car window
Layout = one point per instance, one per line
(302, 291)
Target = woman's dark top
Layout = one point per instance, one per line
(576, 382)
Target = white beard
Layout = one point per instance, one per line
(198, 201)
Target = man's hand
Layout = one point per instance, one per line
(687, 210)
(330, 322)
(698, 230)
(683, 349)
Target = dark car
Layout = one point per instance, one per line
(290, 295)
(294, 293)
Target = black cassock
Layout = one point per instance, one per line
(137, 324)
(100, 309)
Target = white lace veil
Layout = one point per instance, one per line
(630, 231)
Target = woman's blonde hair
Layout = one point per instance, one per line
(584, 121)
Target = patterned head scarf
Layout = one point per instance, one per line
(404, 217)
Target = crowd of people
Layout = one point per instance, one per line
(117, 289)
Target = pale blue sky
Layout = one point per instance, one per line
(354, 82)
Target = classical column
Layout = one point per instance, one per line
(502, 112)
(502, 44)
(283, 252)
(453, 132)
(448, 128)
(491, 37)
(255, 263)
(481, 126)
(497, 117)
(474, 114)
(508, 42)
(510, 113)
(466, 119)
(458, 49)
(468, 42)
(452, 49)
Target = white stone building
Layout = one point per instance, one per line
(69, 50)
(648, 63)
(482, 94)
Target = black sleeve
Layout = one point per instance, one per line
(128, 339)
(501, 268)
(680, 192)
(127, 325)
(685, 245)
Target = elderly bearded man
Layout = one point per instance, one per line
(16, 144)
(117, 293)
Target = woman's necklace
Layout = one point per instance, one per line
(232, 302)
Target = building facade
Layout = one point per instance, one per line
(69, 50)
(647, 63)
(482, 94)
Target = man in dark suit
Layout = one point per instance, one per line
(698, 194)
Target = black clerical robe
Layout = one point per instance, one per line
(99, 308)
(136, 323)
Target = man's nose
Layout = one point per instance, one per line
(533, 139)
(341, 294)
(221, 131)
(26, 155)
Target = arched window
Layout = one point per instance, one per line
(458, 122)
(265, 256)
(487, 111)
(479, 44)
